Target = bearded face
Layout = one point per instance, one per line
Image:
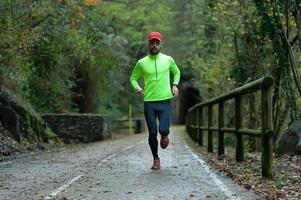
(154, 46)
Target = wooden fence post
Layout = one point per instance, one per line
(191, 124)
(188, 123)
(196, 136)
(221, 137)
(210, 134)
(267, 133)
(238, 125)
(200, 139)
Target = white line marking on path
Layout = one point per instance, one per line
(6, 163)
(217, 181)
(60, 189)
(128, 148)
(106, 159)
(53, 194)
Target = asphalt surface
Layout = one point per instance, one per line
(117, 169)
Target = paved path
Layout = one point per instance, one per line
(118, 169)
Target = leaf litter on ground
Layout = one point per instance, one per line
(286, 183)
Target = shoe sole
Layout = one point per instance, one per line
(164, 146)
(154, 168)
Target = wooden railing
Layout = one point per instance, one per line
(195, 125)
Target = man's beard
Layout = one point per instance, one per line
(154, 51)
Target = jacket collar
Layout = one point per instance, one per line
(154, 56)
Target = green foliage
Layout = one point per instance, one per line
(50, 136)
(75, 56)
(230, 43)
(206, 50)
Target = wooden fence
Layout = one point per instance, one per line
(195, 125)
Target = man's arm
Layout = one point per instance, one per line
(134, 78)
(176, 76)
(175, 71)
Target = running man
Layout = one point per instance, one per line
(155, 69)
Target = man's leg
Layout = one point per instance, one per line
(150, 117)
(164, 122)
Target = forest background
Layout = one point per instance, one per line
(76, 55)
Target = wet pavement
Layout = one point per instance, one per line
(117, 169)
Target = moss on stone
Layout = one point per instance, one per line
(36, 130)
(51, 135)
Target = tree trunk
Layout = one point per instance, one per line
(85, 93)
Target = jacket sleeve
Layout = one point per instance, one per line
(136, 73)
(175, 71)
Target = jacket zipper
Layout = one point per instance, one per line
(156, 68)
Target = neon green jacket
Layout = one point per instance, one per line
(155, 70)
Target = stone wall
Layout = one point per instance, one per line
(79, 127)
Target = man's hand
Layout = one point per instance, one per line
(175, 90)
(140, 91)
